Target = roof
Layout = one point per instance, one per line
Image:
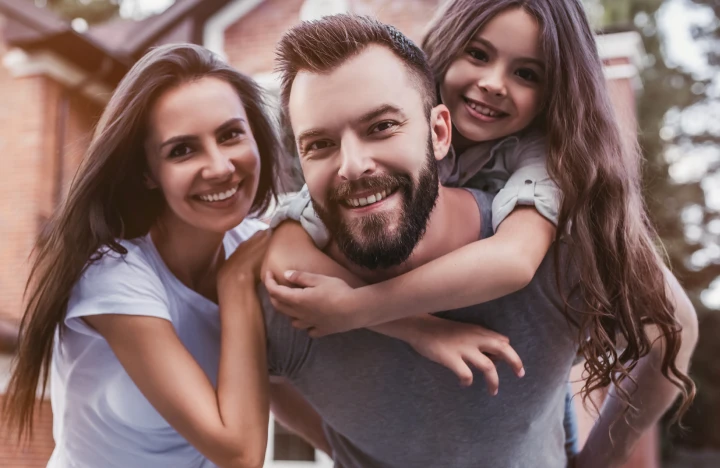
(118, 42)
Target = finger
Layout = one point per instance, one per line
(280, 292)
(502, 350)
(461, 369)
(486, 366)
(286, 309)
(303, 278)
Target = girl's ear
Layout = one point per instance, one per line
(441, 130)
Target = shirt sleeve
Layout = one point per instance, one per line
(528, 184)
(116, 284)
(298, 207)
(287, 347)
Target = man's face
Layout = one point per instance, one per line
(367, 153)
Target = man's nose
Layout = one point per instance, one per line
(356, 159)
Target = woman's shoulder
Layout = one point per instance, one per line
(130, 270)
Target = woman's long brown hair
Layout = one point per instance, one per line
(621, 285)
(108, 201)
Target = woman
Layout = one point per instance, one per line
(154, 359)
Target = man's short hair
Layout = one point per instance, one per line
(322, 45)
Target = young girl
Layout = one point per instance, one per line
(533, 120)
(156, 357)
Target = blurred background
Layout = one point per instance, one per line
(61, 59)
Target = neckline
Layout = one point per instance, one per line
(187, 293)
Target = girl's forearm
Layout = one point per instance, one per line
(475, 273)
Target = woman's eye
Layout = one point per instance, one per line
(229, 135)
(477, 54)
(317, 145)
(528, 74)
(383, 126)
(179, 151)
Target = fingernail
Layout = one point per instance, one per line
(522, 372)
(288, 274)
(495, 392)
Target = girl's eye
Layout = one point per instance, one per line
(180, 151)
(229, 135)
(477, 54)
(383, 126)
(528, 75)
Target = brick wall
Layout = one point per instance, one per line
(33, 455)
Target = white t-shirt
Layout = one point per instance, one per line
(100, 418)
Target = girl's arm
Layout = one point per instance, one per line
(454, 345)
(228, 425)
(479, 272)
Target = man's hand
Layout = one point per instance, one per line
(321, 304)
(458, 346)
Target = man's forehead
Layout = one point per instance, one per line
(373, 78)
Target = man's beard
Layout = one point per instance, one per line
(367, 241)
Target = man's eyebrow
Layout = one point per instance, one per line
(492, 49)
(381, 110)
(313, 132)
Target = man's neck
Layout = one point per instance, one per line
(453, 223)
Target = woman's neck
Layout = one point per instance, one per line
(194, 256)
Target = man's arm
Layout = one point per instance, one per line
(614, 435)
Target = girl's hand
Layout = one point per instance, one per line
(458, 346)
(245, 263)
(322, 304)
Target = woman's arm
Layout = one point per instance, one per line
(454, 345)
(227, 425)
(478, 272)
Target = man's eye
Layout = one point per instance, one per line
(477, 54)
(528, 75)
(229, 135)
(383, 126)
(180, 151)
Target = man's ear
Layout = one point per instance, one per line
(440, 130)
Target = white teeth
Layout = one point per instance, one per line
(367, 201)
(483, 110)
(218, 196)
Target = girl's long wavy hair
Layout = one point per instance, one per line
(108, 201)
(621, 283)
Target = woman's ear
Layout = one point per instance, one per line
(441, 130)
(149, 182)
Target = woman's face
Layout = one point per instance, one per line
(494, 87)
(202, 155)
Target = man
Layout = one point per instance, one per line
(360, 101)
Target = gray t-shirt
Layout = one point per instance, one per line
(384, 405)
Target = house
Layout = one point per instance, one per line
(55, 80)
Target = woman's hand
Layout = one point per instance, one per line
(458, 346)
(245, 263)
(322, 304)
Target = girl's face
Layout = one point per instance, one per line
(202, 155)
(494, 87)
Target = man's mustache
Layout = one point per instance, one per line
(378, 183)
